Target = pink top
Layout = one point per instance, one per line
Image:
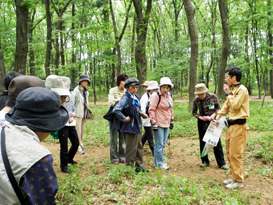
(161, 114)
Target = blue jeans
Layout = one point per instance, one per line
(161, 137)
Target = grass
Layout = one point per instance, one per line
(105, 183)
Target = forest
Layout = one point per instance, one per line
(188, 41)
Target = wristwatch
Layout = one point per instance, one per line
(228, 93)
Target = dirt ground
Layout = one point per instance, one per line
(184, 160)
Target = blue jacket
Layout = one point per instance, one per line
(126, 108)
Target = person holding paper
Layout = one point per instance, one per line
(237, 108)
(208, 106)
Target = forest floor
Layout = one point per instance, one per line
(183, 160)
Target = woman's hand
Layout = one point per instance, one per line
(212, 117)
(127, 119)
(70, 120)
(116, 100)
(203, 118)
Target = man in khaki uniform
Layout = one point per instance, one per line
(237, 108)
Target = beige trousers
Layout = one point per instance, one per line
(236, 136)
(80, 125)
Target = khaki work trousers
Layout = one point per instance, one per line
(134, 150)
(236, 136)
(80, 125)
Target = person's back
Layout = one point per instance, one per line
(28, 162)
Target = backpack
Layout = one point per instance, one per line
(148, 103)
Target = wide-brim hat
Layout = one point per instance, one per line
(59, 84)
(39, 109)
(200, 89)
(166, 81)
(83, 78)
(145, 84)
(152, 85)
(23, 82)
(131, 82)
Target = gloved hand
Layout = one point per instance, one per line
(171, 124)
(155, 127)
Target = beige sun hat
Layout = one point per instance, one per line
(59, 84)
(165, 81)
(200, 89)
(152, 85)
(145, 84)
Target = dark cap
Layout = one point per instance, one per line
(9, 77)
(83, 78)
(131, 82)
(39, 109)
(23, 82)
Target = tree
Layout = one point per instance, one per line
(141, 30)
(118, 38)
(48, 37)
(2, 67)
(190, 10)
(223, 64)
(22, 8)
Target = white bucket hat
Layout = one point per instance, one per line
(152, 85)
(59, 84)
(165, 81)
(200, 89)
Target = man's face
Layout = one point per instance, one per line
(229, 80)
(64, 98)
(133, 89)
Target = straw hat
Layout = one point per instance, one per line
(200, 89)
(152, 85)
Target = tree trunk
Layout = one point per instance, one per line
(140, 50)
(48, 37)
(21, 37)
(73, 69)
(223, 64)
(2, 67)
(177, 7)
(190, 10)
(270, 38)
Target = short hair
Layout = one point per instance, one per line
(9, 77)
(235, 71)
(121, 77)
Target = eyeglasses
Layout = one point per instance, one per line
(65, 98)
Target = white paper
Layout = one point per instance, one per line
(213, 133)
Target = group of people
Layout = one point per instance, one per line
(154, 111)
(26, 119)
(31, 109)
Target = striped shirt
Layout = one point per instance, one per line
(115, 93)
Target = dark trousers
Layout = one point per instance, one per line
(218, 150)
(134, 150)
(148, 135)
(65, 133)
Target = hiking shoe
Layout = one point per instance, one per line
(140, 169)
(203, 165)
(123, 161)
(84, 147)
(80, 152)
(228, 181)
(72, 162)
(116, 162)
(235, 184)
(225, 167)
(66, 169)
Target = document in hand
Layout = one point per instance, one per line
(212, 136)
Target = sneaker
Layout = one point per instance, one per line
(123, 161)
(81, 152)
(225, 167)
(164, 167)
(235, 184)
(83, 147)
(116, 162)
(203, 165)
(140, 169)
(228, 181)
